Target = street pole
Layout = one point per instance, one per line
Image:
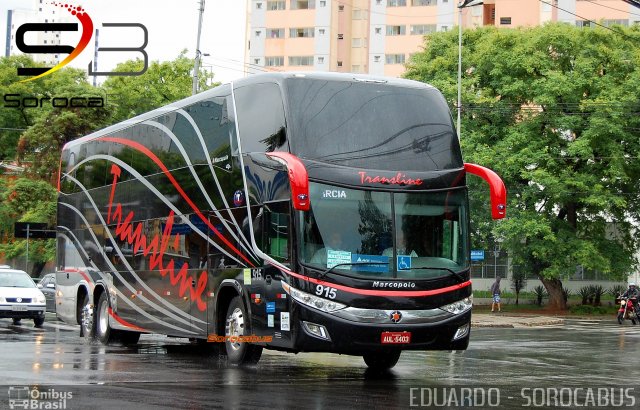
(196, 65)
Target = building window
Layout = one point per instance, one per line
(276, 33)
(320, 60)
(505, 20)
(303, 4)
(378, 2)
(274, 61)
(341, 8)
(421, 29)
(277, 5)
(396, 30)
(340, 36)
(424, 2)
(300, 60)
(359, 15)
(321, 31)
(339, 63)
(378, 30)
(355, 68)
(356, 42)
(396, 3)
(394, 58)
(376, 59)
(301, 32)
(256, 61)
(258, 32)
(444, 28)
(614, 22)
(258, 6)
(323, 3)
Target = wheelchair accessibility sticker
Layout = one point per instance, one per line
(404, 262)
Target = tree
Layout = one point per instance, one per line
(163, 83)
(554, 110)
(27, 200)
(518, 282)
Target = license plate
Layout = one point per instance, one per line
(395, 337)
(18, 308)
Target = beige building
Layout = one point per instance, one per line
(379, 36)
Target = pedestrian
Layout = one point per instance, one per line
(495, 292)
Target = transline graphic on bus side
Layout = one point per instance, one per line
(167, 173)
(140, 281)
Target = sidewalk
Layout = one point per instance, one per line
(498, 319)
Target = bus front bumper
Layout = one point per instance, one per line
(325, 332)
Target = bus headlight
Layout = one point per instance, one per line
(460, 306)
(312, 301)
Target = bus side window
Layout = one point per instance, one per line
(275, 231)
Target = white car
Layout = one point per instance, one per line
(20, 298)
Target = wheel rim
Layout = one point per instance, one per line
(234, 327)
(103, 319)
(87, 318)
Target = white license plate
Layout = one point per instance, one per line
(18, 308)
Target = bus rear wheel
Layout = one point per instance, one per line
(239, 352)
(103, 330)
(87, 324)
(381, 360)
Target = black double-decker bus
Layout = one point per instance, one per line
(303, 212)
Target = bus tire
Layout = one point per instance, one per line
(381, 360)
(87, 316)
(103, 331)
(239, 353)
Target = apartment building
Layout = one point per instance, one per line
(379, 36)
(35, 11)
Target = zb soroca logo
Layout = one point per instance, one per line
(22, 397)
(18, 101)
(87, 33)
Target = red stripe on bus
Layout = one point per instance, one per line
(184, 195)
(124, 322)
(374, 292)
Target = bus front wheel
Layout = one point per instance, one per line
(381, 360)
(238, 351)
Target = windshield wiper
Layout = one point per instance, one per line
(323, 273)
(454, 273)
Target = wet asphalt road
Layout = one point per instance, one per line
(507, 367)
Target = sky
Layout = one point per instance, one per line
(172, 26)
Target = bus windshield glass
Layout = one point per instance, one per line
(357, 124)
(417, 235)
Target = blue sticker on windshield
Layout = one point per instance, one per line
(404, 262)
(370, 263)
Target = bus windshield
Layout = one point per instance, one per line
(417, 235)
(356, 124)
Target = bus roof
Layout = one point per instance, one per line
(278, 77)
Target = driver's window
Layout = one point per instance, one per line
(275, 231)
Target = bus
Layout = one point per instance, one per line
(301, 212)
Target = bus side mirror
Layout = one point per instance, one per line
(496, 187)
(298, 178)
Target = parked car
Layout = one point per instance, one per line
(48, 286)
(20, 298)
